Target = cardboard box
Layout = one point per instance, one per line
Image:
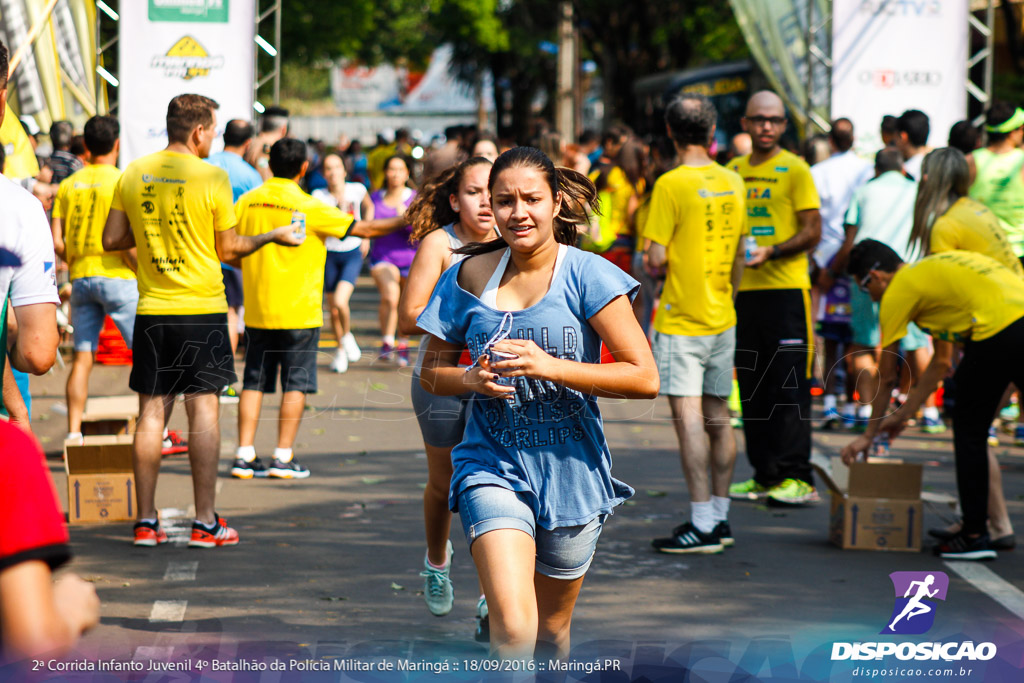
(110, 415)
(101, 480)
(876, 505)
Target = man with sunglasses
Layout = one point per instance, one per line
(773, 317)
(958, 297)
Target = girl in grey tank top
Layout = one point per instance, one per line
(450, 212)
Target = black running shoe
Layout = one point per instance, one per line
(686, 538)
(247, 470)
(962, 547)
(724, 533)
(287, 470)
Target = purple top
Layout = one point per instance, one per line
(394, 248)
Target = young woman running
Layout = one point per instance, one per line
(344, 256)
(452, 212)
(532, 476)
(391, 255)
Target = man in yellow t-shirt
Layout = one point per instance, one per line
(959, 297)
(696, 224)
(176, 210)
(283, 290)
(102, 283)
(774, 340)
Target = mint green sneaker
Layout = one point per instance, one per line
(747, 490)
(438, 592)
(792, 492)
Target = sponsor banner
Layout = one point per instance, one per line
(892, 56)
(171, 47)
(776, 33)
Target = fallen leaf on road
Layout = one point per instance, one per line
(396, 587)
(656, 494)
(372, 480)
(318, 432)
(378, 386)
(353, 437)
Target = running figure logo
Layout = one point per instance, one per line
(914, 611)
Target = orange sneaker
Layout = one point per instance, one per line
(221, 534)
(148, 534)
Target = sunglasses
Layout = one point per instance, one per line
(761, 120)
(863, 284)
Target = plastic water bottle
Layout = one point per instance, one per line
(749, 244)
(880, 446)
(299, 218)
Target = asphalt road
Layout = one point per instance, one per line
(328, 567)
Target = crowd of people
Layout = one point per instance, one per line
(538, 279)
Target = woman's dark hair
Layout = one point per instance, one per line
(578, 196)
(432, 208)
(631, 159)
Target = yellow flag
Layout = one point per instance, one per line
(21, 157)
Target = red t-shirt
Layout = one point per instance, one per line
(31, 522)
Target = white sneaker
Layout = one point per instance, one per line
(352, 350)
(340, 362)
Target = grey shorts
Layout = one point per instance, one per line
(562, 553)
(695, 366)
(442, 418)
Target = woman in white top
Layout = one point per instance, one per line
(344, 256)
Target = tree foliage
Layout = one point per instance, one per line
(627, 40)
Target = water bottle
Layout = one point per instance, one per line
(300, 219)
(880, 446)
(750, 245)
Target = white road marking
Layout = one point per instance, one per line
(181, 571)
(168, 610)
(991, 584)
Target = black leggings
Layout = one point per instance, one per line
(986, 369)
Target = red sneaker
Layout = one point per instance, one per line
(174, 443)
(149, 535)
(221, 534)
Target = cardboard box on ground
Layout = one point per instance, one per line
(101, 480)
(876, 505)
(110, 415)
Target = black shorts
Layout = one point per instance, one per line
(181, 354)
(294, 351)
(232, 286)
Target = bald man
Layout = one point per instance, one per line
(740, 145)
(773, 323)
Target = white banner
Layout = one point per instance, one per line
(171, 47)
(892, 55)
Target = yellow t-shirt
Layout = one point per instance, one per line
(82, 204)
(175, 203)
(615, 205)
(777, 189)
(971, 226)
(284, 286)
(698, 214)
(953, 296)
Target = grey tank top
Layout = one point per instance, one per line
(453, 243)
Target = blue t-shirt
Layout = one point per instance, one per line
(549, 443)
(243, 177)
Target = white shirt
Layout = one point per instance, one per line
(913, 166)
(353, 198)
(27, 263)
(837, 178)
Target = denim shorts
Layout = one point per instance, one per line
(442, 419)
(562, 553)
(94, 298)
